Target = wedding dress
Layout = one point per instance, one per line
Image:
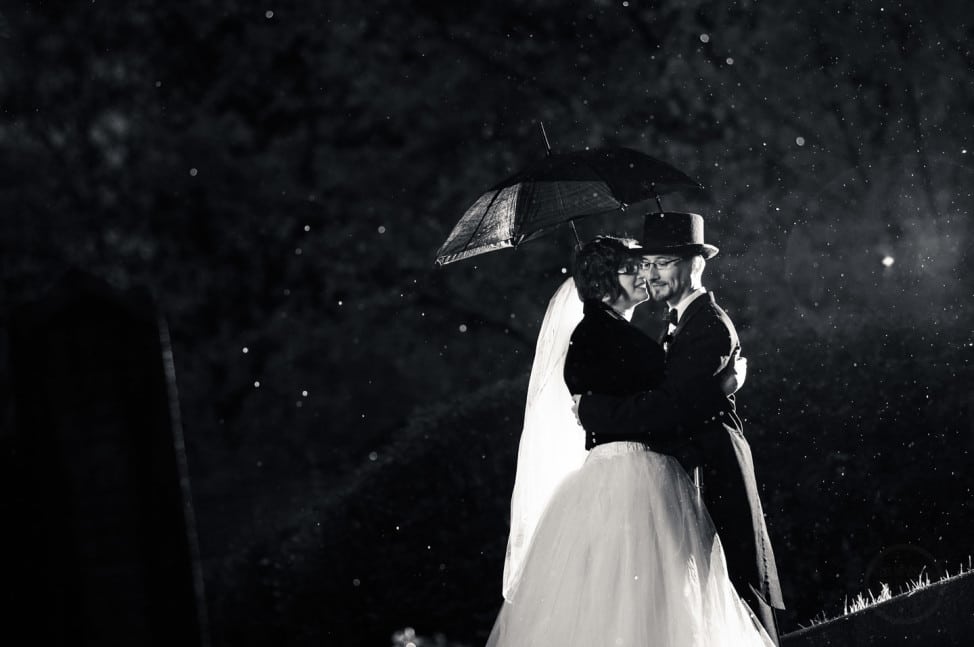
(620, 551)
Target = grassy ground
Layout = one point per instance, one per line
(863, 601)
(925, 612)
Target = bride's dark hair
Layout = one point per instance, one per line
(598, 263)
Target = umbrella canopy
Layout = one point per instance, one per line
(558, 189)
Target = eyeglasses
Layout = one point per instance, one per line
(634, 267)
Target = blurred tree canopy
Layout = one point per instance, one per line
(280, 177)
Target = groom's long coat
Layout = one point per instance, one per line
(703, 340)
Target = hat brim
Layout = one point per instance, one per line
(705, 250)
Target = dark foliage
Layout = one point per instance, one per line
(416, 538)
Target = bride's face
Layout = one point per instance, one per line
(635, 290)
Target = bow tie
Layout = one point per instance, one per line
(674, 317)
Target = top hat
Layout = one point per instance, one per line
(675, 232)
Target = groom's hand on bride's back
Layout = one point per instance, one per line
(576, 398)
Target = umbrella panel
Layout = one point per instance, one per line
(508, 216)
(487, 225)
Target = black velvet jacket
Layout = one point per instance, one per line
(610, 356)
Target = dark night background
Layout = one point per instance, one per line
(278, 177)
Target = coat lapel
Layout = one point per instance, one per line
(665, 339)
(695, 306)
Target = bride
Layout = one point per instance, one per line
(610, 546)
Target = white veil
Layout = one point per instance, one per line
(552, 443)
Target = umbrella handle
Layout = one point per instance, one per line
(544, 136)
(578, 241)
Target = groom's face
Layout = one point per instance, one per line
(668, 277)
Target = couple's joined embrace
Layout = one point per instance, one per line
(611, 541)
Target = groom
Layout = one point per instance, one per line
(699, 342)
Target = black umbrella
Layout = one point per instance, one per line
(560, 188)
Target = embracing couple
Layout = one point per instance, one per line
(612, 542)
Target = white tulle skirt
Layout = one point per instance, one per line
(625, 555)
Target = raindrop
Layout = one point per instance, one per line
(268, 14)
(256, 384)
(463, 327)
(730, 61)
(704, 38)
(888, 261)
(382, 229)
(244, 350)
(800, 141)
(373, 456)
(193, 172)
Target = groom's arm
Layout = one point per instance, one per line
(688, 396)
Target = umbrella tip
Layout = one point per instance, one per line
(659, 202)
